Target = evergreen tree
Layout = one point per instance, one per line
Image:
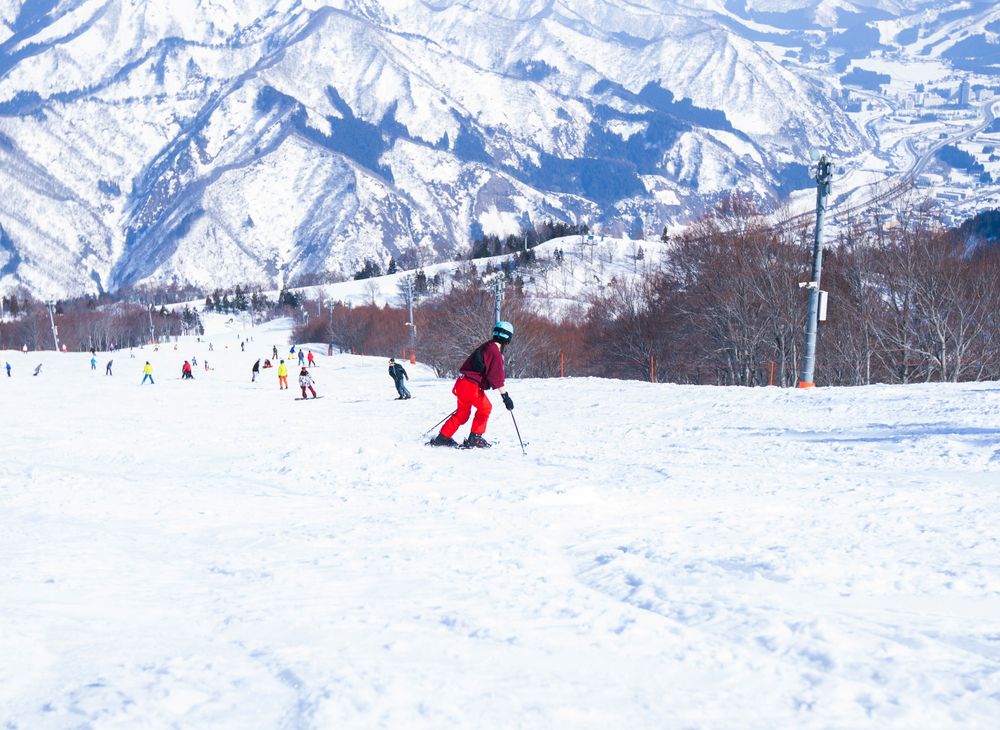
(392, 266)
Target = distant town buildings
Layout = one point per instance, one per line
(964, 93)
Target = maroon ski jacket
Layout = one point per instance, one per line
(485, 366)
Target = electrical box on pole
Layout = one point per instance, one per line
(823, 175)
(823, 296)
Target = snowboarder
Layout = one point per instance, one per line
(397, 373)
(306, 381)
(311, 359)
(107, 368)
(147, 374)
(38, 369)
(255, 371)
(481, 371)
(282, 376)
(93, 362)
(186, 373)
(274, 352)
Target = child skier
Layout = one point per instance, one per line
(282, 376)
(306, 381)
(147, 374)
(482, 370)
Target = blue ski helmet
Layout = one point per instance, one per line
(503, 331)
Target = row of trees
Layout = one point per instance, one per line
(116, 326)
(911, 302)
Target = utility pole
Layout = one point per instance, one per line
(812, 318)
(499, 284)
(152, 330)
(409, 313)
(52, 321)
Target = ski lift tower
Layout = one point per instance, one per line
(817, 298)
(408, 281)
(55, 331)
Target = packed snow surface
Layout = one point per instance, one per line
(214, 554)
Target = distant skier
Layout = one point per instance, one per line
(186, 373)
(8, 369)
(255, 371)
(306, 381)
(107, 368)
(482, 370)
(147, 374)
(242, 348)
(274, 352)
(302, 358)
(38, 369)
(282, 376)
(311, 359)
(397, 373)
(93, 362)
(194, 360)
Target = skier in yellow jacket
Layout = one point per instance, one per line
(147, 373)
(282, 376)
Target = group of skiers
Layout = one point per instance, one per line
(481, 371)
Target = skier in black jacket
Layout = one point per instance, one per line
(397, 373)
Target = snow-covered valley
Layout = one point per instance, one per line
(214, 554)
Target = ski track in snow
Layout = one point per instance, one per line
(213, 554)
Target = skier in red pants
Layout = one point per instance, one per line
(482, 370)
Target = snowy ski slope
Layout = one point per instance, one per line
(212, 554)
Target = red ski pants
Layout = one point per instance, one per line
(469, 396)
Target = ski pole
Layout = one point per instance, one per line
(518, 433)
(439, 423)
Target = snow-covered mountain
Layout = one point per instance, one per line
(257, 140)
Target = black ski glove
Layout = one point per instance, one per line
(507, 401)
